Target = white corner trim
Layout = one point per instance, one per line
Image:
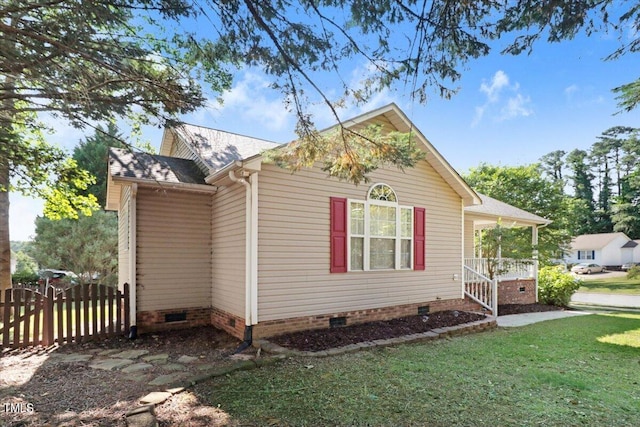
(133, 208)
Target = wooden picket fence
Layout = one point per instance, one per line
(78, 314)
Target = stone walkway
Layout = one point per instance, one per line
(156, 369)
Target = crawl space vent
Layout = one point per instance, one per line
(337, 321)
(175, 317)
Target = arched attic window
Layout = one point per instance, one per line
(382, 192)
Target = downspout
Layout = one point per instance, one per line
(133, 328)
(462, 275)
(251, 258)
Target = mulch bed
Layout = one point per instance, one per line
(506, 309)
(323, 339)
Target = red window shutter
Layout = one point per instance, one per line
(418, 238)
(338, 235)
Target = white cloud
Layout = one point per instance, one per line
(569, 91)
(499, 81)
(517, 106)
(503, 100)
(323, 115)
(253, 101)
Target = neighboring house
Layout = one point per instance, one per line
(607, 249)
(209, 233)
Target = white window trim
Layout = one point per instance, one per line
(587, 255)
(367, 235)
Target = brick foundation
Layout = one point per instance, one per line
(517, 292)
(149, 321)
(228, 322)
(281, 326)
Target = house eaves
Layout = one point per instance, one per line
(492, 210)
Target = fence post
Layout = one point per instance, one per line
(48, 318)
(17, 299)
(6, 318)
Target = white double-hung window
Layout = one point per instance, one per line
(380, 232)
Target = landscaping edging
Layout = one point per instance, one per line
(466, 328)
(143, 416)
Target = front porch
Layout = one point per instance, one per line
(490, 279)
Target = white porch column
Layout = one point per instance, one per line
(534, 243)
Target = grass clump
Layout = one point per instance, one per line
(612, 285)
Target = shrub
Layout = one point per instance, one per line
(555, 287)
(633, 272)
(25, 278)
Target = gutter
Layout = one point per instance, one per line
(251, 252)
(197, 188)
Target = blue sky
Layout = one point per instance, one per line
(509, 110)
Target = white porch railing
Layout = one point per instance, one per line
(504, 268)
(481, 289)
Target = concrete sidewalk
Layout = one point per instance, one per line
(515, 320)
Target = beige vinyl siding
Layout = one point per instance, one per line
(469, 244)
(228, 254)
(174, 249)
(123, 236)
(293, 262)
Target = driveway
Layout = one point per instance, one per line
(608, 300)
(600, 276)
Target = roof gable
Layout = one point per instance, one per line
(392, 118)
(215, 148)
(595, 241)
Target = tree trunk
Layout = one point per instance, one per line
(5, 242)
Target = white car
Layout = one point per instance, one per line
(587, 268)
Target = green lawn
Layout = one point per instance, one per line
(574, 371)
(613, 285)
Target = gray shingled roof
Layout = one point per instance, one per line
(594, 241)
(128, 164)
(218, 148)
(493, 207)
(630, 244)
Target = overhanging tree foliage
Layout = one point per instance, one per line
(88, 61)
(83, 62)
